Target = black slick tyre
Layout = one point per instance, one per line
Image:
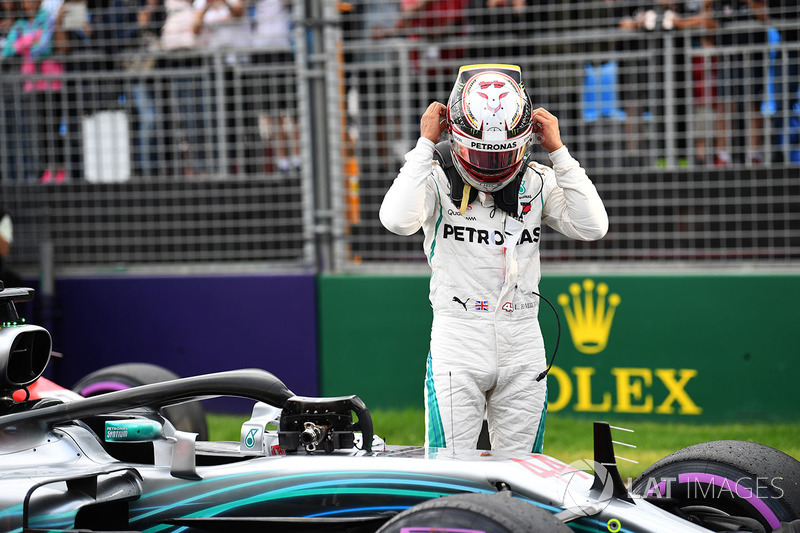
(707, 481)
(488, 513)
(189, 417)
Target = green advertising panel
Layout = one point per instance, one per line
(373, 338)
(681, 348)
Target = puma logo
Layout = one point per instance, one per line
(463, 304)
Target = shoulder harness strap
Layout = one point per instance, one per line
(443, 155)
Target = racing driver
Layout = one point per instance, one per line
(480, 203)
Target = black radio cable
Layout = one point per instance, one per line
(544, 373)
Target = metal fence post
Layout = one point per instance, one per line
(317, 40)
(310, 120)
(334, 101)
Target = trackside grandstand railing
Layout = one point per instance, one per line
(250, 159)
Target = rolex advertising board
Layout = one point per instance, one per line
(689, 347)
(705, 348)
(642, 371)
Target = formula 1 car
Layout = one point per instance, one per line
(114, 463)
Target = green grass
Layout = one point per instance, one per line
(570, 439)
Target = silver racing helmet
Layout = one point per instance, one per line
(490, 125)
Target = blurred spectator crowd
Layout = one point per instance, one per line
(78, 74)
(76, 71)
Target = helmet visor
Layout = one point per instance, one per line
(490, 161)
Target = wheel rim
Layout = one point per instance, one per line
(730, 486)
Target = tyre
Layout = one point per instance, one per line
(189, 417)
(723, 484)
(487, 513)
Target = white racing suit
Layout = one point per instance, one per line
(486, 346)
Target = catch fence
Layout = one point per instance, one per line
(249, 158)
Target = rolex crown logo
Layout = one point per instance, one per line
(589, 321)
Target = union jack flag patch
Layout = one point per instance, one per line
(481, 305)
